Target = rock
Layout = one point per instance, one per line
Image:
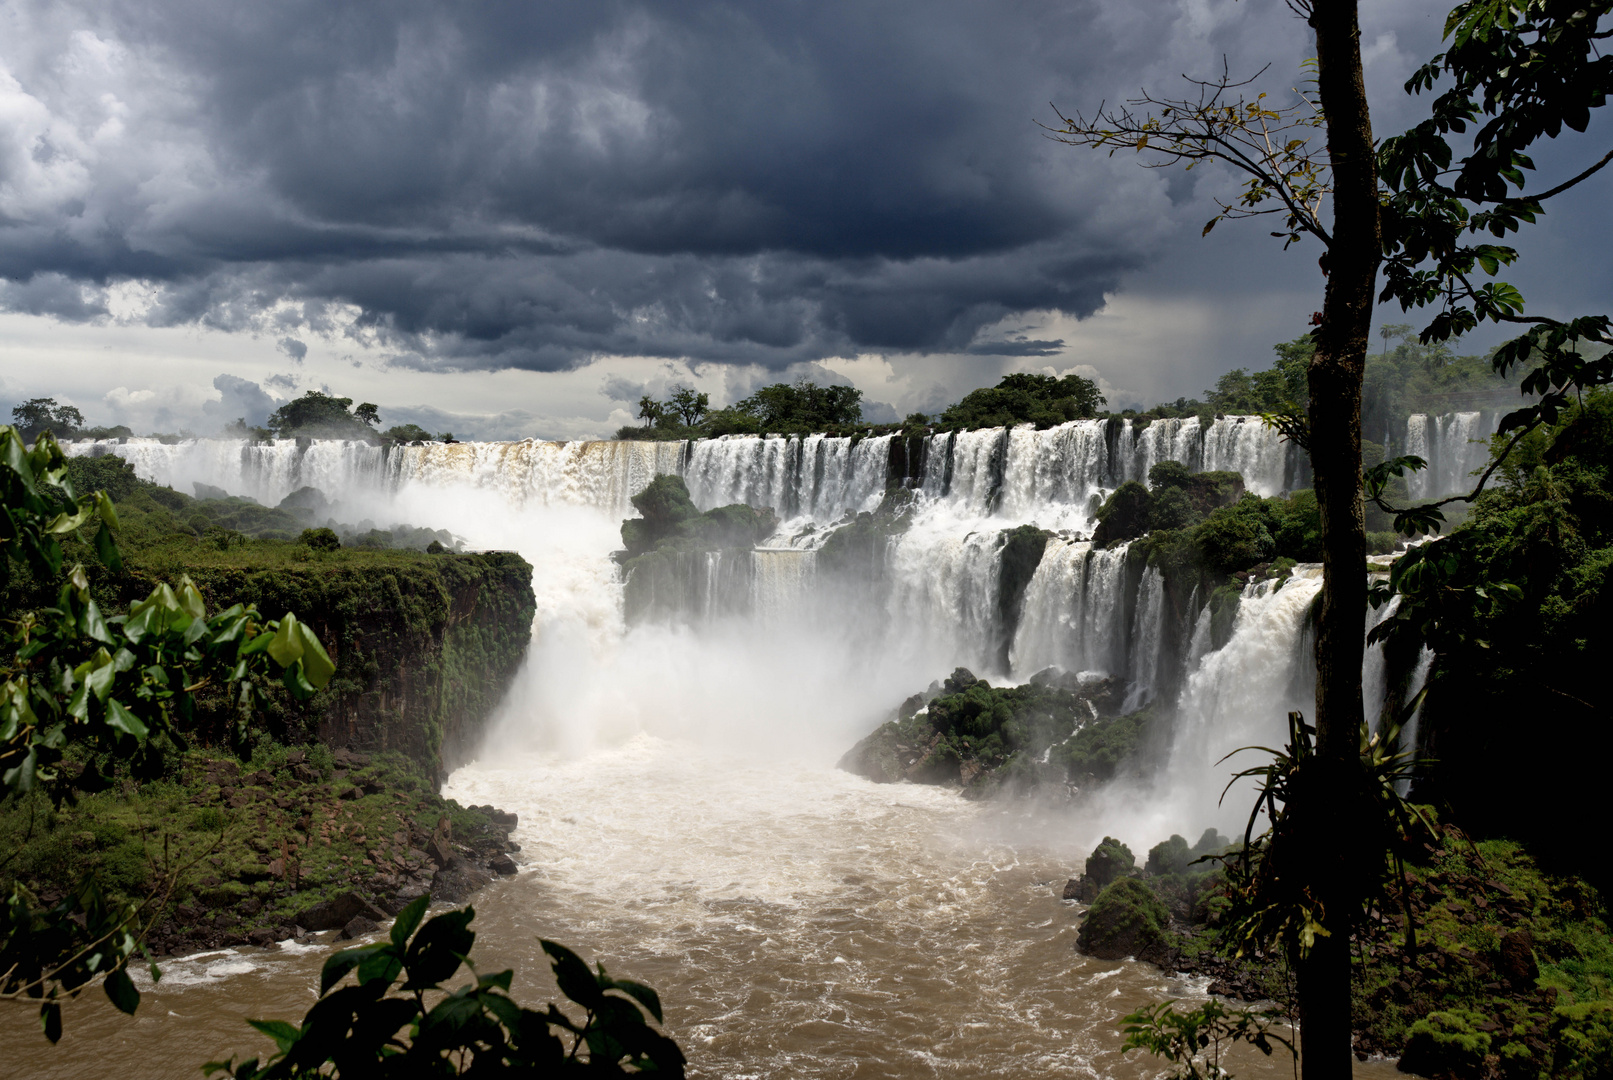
(358, 926)
(503, 817)
(502, 864)
(1072, 889)
(458, 880)
(296, 757)
(262, 937)
(1446, 1043)
(305, 773)
(250, 906)
(338, 911)
(1517, 964)
(1126, 919)
(350, 793)
(347, 759)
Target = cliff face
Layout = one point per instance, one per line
(425, 645)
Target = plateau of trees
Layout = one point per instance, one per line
(1424, 206)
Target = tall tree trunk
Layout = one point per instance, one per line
(1335, 434)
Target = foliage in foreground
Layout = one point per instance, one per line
(1193, 1039)
(383, 1024)
(122, 685)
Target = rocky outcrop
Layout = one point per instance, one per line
(1127, 920)
(425, 645)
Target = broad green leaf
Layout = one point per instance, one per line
(408, 919)
(121, 719)
(121, 992)
(284, 1035)
(286, 645)
(190, 599)
(316, 663)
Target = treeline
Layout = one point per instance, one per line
(804, 407)
(315, 415)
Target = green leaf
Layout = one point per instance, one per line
(284, 1035)
(316, 663)
(286, 645)
(120, 719)
(339, 965)
(408, 919)
(121, 992)
(572, 976)
(50, 1020)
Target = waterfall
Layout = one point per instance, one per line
(1147, 639)
(1455, 445)
(1075, 612)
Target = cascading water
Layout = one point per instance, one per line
(1455, 445)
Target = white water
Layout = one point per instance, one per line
(1456, 447)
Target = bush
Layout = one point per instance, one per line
(1583, 1041)
(1169, 856)
(320, 539)
(1109, 860)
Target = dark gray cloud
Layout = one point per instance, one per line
(509, 184)
(535, 185)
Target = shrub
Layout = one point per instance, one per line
(320, 539)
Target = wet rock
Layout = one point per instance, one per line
(358, 926)
(455, 882)
(503, 817)
(338, 911)
(1072, 889)
(502, 864)
(261, 937)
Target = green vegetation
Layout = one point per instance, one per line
(123, 687)
(1025, 399)
(1517, 603)
(800, 408)
(986, 737)
(317, 415)
(153, 515)
(1175, 499)
(1126, 919)
(661, 546)
(381, 1024)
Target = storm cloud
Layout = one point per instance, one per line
(510, 184)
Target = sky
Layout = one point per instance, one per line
(513, 218)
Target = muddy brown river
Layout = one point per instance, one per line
(797, 921)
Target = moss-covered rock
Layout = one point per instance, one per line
(1126, 920)
(1448, 1044)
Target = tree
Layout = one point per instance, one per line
(320, 415)
(43, 414)
(367, 414)
(1391, 331)
(406, 433)
(120, 685)
(1533, 67)
(1023, 398)
(650, 411)
(802, 407)
(688, 405)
